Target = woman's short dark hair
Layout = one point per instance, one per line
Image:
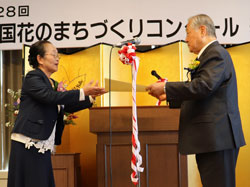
(37, 48)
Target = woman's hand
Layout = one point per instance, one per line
(93, 90)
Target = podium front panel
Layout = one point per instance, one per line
(162, 163)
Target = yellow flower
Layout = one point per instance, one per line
(194, 64)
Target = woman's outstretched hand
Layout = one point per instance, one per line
(93, 90)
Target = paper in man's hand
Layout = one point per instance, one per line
(120, 86)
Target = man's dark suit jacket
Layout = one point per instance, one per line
(210, 119)
(38, 112)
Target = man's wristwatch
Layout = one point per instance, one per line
(164, 88)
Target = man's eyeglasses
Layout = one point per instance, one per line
(54, 55)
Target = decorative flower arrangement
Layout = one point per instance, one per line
(194, 64)
(13, 108)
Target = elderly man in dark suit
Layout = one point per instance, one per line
(210, 124)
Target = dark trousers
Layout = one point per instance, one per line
(217, 169)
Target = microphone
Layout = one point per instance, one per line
(135, 41)
(153, 72)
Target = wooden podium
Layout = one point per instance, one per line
(66, 168)
(158, 135)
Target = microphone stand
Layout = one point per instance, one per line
(110, 128)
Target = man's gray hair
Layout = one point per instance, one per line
(203, 19)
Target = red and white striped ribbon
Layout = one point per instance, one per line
(128, 56)
(136, 160)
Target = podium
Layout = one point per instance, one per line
(158, 136)
(66, 169)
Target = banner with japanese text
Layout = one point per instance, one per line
(78, 23)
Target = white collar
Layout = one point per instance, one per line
(203, 49)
